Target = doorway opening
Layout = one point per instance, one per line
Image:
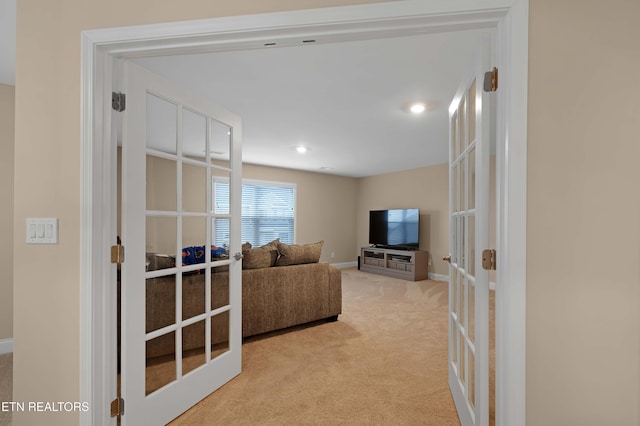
(103, 47)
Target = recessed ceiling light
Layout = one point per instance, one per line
(302, 149)
(417, 108)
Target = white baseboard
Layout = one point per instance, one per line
(6, 346)
(438, 277)
(345, 265)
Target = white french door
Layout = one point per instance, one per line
(181, 321)
(468, 236)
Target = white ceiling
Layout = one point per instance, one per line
(346, 102)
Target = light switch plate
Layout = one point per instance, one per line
(42, 230)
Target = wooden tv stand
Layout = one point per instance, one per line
(404, 264)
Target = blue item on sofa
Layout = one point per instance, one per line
(217, 252)
(195, 254)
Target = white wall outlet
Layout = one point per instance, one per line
(333, 254)
(42, 230)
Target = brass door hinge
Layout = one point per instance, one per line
(117, 407)
(489, 259)
(491, 80)
(117, 254)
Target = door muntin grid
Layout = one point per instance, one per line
(180, 162)
(463, 256)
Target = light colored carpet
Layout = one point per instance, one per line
(383, 362)
(6, 385)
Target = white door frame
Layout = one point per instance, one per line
(100, 48)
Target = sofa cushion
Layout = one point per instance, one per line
(157, 261)
(275, 254)
(297, 254)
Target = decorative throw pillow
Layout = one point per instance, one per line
(297, 254)
(196, 254)
(192, 255)
(259, 257)
(273, 246)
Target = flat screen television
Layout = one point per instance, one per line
(399, 228)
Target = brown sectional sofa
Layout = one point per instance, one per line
(284, 296)
(273, 298)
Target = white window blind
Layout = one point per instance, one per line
(268, 212)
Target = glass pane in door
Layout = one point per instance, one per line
(220, 144)
(454, 295)
(219, 334)
(471, 326)
(472, 379)
(161, 236)
(455, 131)
(462, 365)
(471, 179)
(454, 344)
(160, 362)
(194, 135)
(161, 183)
(471, 226)
(160, 302)
(162, 124)
(462, 183)
(220, 287)
(193, 294)
(463, 242)
(221, 193)
(194, 188)
(456, 180)
(194, 238)
(193, 346)
(472, 111)
(160, 242)
(462, 113)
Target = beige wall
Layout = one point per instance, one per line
(583, 213)
(426, 188)
(7, 96)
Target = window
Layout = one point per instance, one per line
(268, 211)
